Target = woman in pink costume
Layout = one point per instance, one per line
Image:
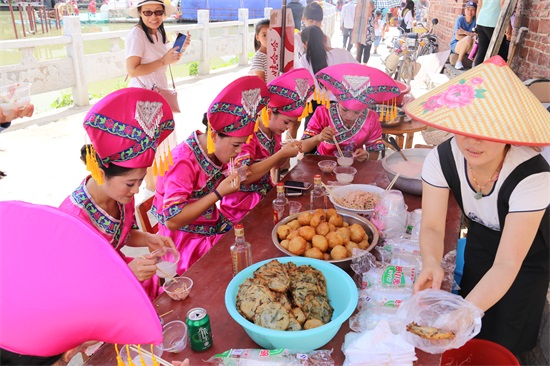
(288, 95)
(186, 196)
(354, 125)
(123, 146)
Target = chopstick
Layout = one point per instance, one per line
(168, 312)
(339, 200)
(167, 275)
(231, 170)
(392, 182)
(337, 146)
(147, 353)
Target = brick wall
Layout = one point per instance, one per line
(532, 58)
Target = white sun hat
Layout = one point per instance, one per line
(169, 9)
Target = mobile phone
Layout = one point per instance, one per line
(297, 185)
(293, 192)
(180, 40)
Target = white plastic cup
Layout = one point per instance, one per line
(15, 96)
(294, 207)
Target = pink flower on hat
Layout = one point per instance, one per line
(432, 103)
(457, 96)
(476, 80)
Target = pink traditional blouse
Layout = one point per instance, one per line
(192, 177)
(116, 231)
(366, 130)
(236, 205)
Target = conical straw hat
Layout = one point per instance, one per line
(488, 102)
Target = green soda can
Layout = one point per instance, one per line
(198, 326)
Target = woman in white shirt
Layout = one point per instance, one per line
(147, 50)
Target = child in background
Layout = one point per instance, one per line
(123, 146)
(186, 196)
(288, 95)
(378, 29)
(259, 61)
(349, 120)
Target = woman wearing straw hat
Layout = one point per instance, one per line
(186, 195)
(146, 45)
(123, 144)
(501, 183)
(288, 95)
(350, 121)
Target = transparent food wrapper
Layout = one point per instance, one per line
(372, 273)
(443, 310)
(276, 357)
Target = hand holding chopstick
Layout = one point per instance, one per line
(337, 145)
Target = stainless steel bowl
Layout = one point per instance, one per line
(370, 229)
(412, 185)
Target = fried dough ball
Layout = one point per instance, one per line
(314, 253)
(319, 211)
(357, 233)
(299, 315)
(322, 229)
(307, 232)
(284, 244)
(330, 212)
(292, 235)
(326, 256)
(338, 252)
(320, 242)
(283, 231)
(349, 247)
(364, 244)
(297, 245)
(294, 224)
(304, 218)
(344, 233)
(346, 224)
(334, 239)
(308, 246)
(318, 217)
(331, 227)
(312, 323)
(336, 220)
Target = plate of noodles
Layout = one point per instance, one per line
(356, 198)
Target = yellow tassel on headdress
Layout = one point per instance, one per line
(93, 166)
(166, 163)
(210, 148)
(130, 361)
(155, 168)
(265, 117)
(141, 359)
(88, 158)
(170, 159)
(161, 166)
(153, 357)
(119, 361)
(382, 110)
(310, 108)
(315, 94)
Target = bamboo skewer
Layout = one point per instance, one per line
(337, 146)
(168, 312)
(392, 182)
(147, 353)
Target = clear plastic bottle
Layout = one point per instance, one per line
(318, 197)
(241, 251)
(280, 204)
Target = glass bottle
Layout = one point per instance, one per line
(280, 204)
(317, 198)
(241, 251)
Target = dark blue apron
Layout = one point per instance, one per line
(514, 321)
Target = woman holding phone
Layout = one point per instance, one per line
(148, 52)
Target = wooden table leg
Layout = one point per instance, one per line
(400, 140)
(409, 140)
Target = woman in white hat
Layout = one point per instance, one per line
(147, 50)
(501, 182)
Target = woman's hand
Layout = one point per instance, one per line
(186, 43)
(430, 277)
(171, 57)
(291, 149)
(360, 155)
(26, 111)
(326, 135)
(143, 268)
(229, 185)
(155, 242)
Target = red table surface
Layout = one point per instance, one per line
(213, 272)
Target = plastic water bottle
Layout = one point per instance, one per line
(473, 52)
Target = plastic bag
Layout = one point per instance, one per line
(275, 357)
(443, 310)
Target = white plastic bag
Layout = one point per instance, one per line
(443, 310)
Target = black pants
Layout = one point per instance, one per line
(484, 35)
(363, 52)
(347, 38)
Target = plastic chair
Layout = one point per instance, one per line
(460, 247)
(144, 216)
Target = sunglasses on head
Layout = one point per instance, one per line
(148, 13)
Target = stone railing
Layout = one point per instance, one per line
(77, 68)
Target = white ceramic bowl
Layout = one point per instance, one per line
(343, 191)
(345, 174)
